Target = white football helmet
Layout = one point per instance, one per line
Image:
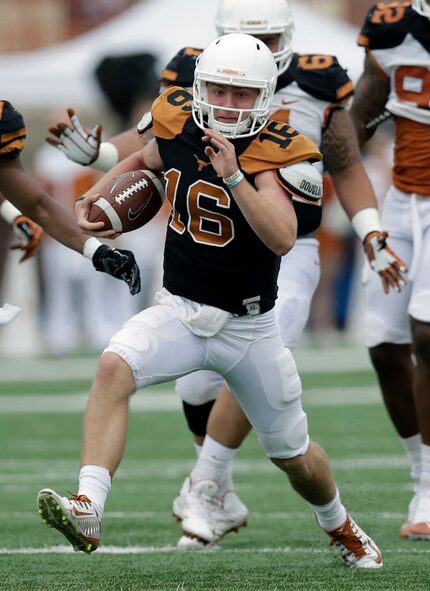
(236, 60)
(422, 7)
(259, 17)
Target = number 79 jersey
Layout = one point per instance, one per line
(212, 255)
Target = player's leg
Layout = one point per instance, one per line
(419, 310)
(298, 279)
(265, 382)
(387, 334)
(153, 343)
(226, 430)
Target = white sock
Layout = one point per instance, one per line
(332, 515)
(214, 462)
(95, 483)
(412, 447)
(424, 483)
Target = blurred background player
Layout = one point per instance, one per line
(396, 76)
(23, 192)
(228, 228)
(312, 93)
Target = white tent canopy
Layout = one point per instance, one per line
(63, 74)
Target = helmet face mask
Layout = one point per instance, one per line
(260, 18)
(422, 7)
(235, 61)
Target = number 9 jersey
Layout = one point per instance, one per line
(212, 255)
(397, 41)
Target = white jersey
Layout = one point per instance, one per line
(397, 40)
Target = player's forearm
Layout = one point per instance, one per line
(354, 189)
(275, 226)
(31, 200)
(126, 143)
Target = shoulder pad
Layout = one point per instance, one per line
(386, 25)
(12, 130)
(302, 179)
(319, 75)
(180, 70)
(145, 123)
(170, 111)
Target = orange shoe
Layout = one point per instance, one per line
(405, 530)
(356, 548)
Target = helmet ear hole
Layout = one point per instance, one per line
(235, 60)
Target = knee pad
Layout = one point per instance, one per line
(197, 416)
(288, 436)
(199, 387)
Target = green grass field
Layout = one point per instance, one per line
(282, 547)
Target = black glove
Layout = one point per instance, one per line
(120, 264)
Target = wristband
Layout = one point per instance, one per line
(234, 179)
(366, 221)
(107, 158)
(9, 212)
(90, 247)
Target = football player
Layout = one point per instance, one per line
(396, 38)
(312, 91)
(232, 219)
(23, 192)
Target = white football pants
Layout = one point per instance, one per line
(247, 352)
(406, 217)
(297, 281)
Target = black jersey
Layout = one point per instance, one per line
(12, 131)
(212, 255)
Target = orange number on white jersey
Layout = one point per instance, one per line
(413, 85)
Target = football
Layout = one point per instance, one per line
(130, 201)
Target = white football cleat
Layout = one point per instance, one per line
(356, 548)
(419, 528)
(405, 528)
(75, 518)
(205, 517)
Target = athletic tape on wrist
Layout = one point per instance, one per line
(90, 247)
(107, 158)
(366, 221)
(9, 212)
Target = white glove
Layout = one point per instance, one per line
(384, 261)
(79, 144)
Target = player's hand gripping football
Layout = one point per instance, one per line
(221, 153)
(29, 235)
(120, 264)
(384, 261)
(79, 144)
(82, 209)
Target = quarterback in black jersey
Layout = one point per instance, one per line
(230, 173)
(24, 193)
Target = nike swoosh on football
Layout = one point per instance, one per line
(132, 215)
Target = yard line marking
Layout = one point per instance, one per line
(175, 469)
(166, 400)
(322, 360)
(174, 549)
(254, 515)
